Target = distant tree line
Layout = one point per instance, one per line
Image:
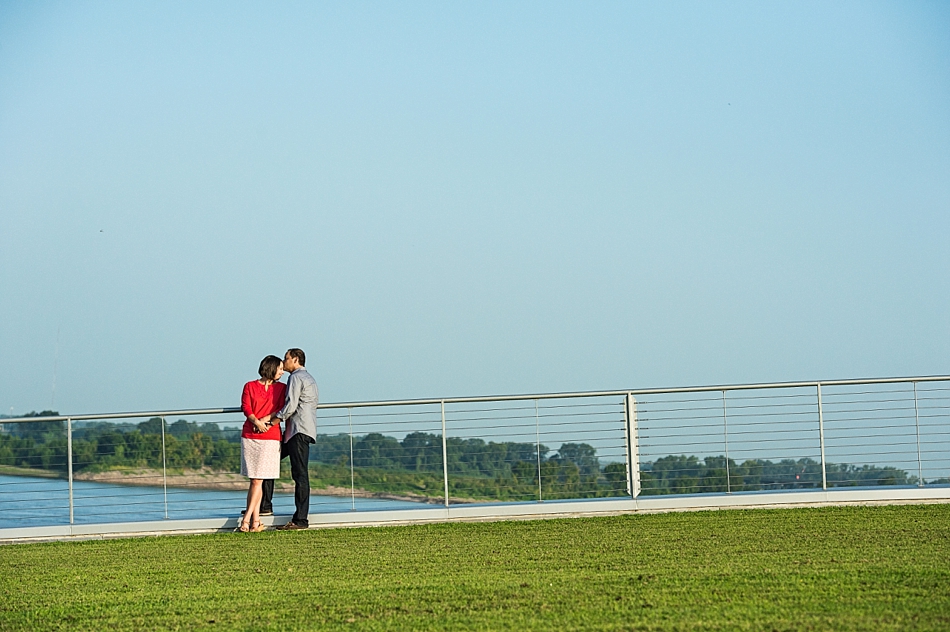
(691, 475)
(477, 468)
(103, 445)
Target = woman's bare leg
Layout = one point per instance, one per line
(254, 495)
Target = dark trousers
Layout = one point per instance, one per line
(298, 449)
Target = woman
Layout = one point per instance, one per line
(260, 439)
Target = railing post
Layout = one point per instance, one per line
(920, 466)
(537, 436)
(725, 439)
(633, 446)
(69, 464)
(821, 440)
(349, 419)
(164, 472)
(445, 458)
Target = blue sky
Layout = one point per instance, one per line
(453, 199)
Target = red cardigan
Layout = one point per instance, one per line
(260, 402)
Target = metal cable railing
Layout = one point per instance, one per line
(161, 465)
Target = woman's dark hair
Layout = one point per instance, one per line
(268, 368)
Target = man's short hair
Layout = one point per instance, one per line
(298, 355)
(268, 368)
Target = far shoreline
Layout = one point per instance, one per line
(209, 479)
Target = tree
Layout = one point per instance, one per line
(422, 451)
(583, 456)
(616, 475)
(377, 450)
(39, 430)
(152, 426)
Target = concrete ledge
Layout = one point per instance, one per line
(501, 511)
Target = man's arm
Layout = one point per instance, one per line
(294, 386)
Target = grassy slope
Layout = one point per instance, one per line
(838, 568)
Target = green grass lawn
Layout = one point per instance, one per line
(875, 568)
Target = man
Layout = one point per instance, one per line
(299, 415)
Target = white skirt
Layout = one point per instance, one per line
(260, 458)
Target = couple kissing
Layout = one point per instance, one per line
(267, 403)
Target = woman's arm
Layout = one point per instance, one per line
(246, 406)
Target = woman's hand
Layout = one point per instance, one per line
(269, 421)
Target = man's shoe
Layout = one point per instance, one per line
(291, 526)
(263, 513)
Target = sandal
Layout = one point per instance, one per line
(258, 527)
(243, 527)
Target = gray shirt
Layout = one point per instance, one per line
(300, 410)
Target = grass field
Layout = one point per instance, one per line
(872, 568)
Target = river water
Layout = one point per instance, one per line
(34, 502)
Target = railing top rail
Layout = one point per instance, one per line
(499, 398)
(130, 415)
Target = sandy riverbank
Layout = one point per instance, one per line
(206, 478)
